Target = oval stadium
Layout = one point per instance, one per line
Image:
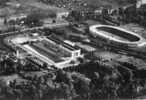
(117, 35)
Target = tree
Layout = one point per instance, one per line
(3, 2)
(81, 60)
(5, 21)
(34, 19)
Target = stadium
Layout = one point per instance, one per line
(117, 35)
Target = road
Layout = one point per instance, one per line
(35, 28)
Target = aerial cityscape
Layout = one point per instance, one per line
(72, 49)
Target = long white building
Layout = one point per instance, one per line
(50, 50)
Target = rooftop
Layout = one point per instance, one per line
(66, 45)
(45, 52)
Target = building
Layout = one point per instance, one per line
(73, 51)
(50, 50)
